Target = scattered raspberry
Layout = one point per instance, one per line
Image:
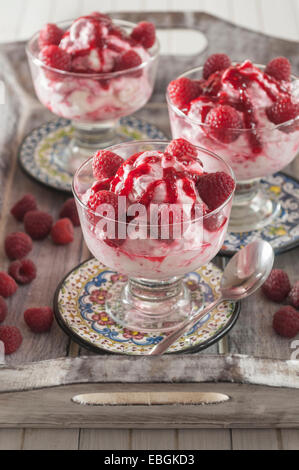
(279, 68)
(277, 286)
(214, 63)
(8, 285)
(55, 57)
(3, 309)
(105, 164)
(23, 271)
(50, 35)
(62, 232)
(282, 110)
(286, 322)
(26, 204)
(145, 34)
(69, 211)
(17, 245)
(127, 60)
(215, 188)
(182, 91)
(294, 295)
(225, 123)
(181, 148)
(38, 224)
(11, 337)
(40, 319)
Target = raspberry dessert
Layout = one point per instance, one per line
(239, 111)
(163, 213)
(82, 71)
(248, 114)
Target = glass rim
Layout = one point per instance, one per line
(96, 75)
(239, 131)
(156, 142)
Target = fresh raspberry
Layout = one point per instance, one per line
(8, 285)
(50, 35)
(282, 110)
(181, 147)
(23, 271)
(145, 34)
(277, 286)
(286, 322)
(11, 337)
(105, 164)
(69, 211)
(293, 297)
(101, 17)
(38, 224)
(103, 197)
(182, 91)
(56, 58)
(224, 123)
(26, 204)
(127, 60)
(215, 188)
(214, 63)
(279, 68)
(3, 309)
(62, 232)
(39, 319)
(17, 245)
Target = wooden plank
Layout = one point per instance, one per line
(53, 408)
(11, 17)
(255, 439)
(221, 9)
(51, 439)
(37, 13)
(247, 14)
(204, 439)
(195, 368)
(290, 439)
(66, 10)
(279, 19)
(154, 439)
(107, 439)
(11, 439)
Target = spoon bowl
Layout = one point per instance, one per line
(244, 274)
(247, 270)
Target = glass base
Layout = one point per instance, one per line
(252, 208)
(153, 306)
(87, 139)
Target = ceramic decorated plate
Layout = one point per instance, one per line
(79, 306)
(283, 232)
(39, 150)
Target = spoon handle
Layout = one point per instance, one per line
(169, 340)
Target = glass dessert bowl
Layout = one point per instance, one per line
(96, 72)
(249, 118)
(154, 249)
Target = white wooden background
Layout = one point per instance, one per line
(19, 19)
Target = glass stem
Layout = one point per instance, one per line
(91, 136)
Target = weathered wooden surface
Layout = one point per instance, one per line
(250, 406)
(252, 336)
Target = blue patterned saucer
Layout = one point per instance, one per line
(79, 307)
(36, 154)
(283, 232)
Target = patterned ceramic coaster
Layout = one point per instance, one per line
(37, 150)
(283, 233)
(80, 311)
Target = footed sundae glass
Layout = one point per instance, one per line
(155, 298)
(93, 102)
(271, 149)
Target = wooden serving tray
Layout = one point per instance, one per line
(250, 379)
